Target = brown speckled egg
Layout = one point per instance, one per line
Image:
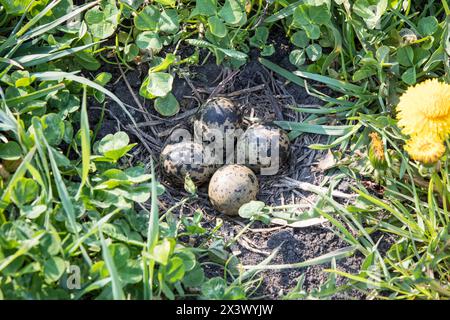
(232, 186)
(179, 159)
(257, 147)
(218, 114)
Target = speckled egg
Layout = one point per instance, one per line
(217, 115)
(232, 186)
(263, 146)
(182, 158)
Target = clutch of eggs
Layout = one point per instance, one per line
(260, 146)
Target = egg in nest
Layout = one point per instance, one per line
(263, 147)
(218, 123)
(182, 158)
(232, 186)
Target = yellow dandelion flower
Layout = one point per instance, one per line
(425, 109)
(427, 149)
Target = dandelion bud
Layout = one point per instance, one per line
(376, 152)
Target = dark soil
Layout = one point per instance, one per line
(259, 93)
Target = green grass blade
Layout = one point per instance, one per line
(229, 52)
(49, 26)
(85, 142)
(115, 281)
(37, 17)
(34, 95)
(296, 77)
(71, 248)
(62, 190)
(283, 13)
(345, 234)
(314, 128)
(36, 59)
(337, 141)
(328, 257)
(11, 62)
(153, 227)
(152, 235)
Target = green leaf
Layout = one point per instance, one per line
(169, 21)
(217, 27)
(33, 211)
(405, 56)
(187, 255)
(428, 26)
(149, 40)
(87, 60)
(195, 277)
(161, 252)
(102, 20)
(21, 78)
(300, 39)
(370, 11)
(205, 8)
(119, 253)
(233, 12)
(16, 7)
(159, 84)
(409, 76)
(301, 17)
(24, 191)
(268, 50)
(135, 4)
(53, 269)
(189, 185)
(214, 289)
(131, 52)
(363, 73)
(251, 208)
(10, 151)
(53, 128)
(115, 146)
(297, 57)
(147, 19)
(312, 31)
(167, 106)
(138, 194)
(103, 78)
(319, 14)
(174, 270)
(164, 64)
(314, 52)
(259, 39)
(297, 76)
(382, 54)
(131, 272)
